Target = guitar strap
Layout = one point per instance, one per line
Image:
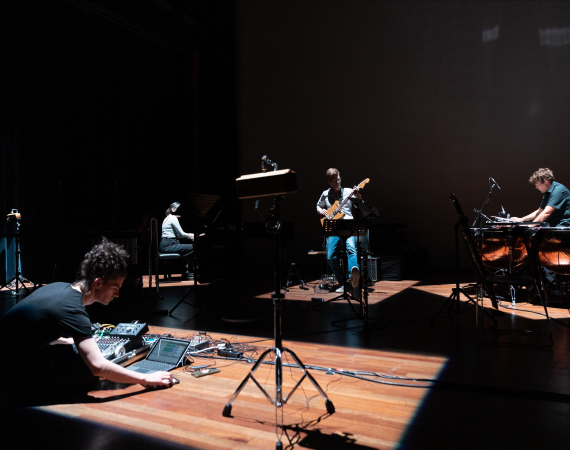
(333, 197)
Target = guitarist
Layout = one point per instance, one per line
(327, 199)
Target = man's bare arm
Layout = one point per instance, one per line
(100, 367)
(528, 218)
(544, 215)
(63, 341)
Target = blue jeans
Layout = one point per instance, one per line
(333, 259)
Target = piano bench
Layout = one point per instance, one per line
(163, 259)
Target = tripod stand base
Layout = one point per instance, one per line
(183, 300)
(455, 301)
(344, 296)
(17, 285)
(279, 401)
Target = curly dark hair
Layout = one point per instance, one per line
(106, 260)
(541, 175)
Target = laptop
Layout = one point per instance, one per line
(164, 356)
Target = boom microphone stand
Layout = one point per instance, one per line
(479, 212)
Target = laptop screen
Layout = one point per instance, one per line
(168, 351)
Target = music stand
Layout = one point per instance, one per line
(454, 300)
(342, 229)
(345, 229)
(476, 260)
(202, 203)
(251, 186)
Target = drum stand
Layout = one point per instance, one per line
(274, 225)
(512, 290)
(535, 280)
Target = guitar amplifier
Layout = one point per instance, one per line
(373, 269)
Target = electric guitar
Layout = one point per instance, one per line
(334, 212)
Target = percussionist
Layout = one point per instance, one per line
(555, 205)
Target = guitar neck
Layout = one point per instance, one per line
(341, 204)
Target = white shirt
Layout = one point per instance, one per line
(328, 198)
(171, 228)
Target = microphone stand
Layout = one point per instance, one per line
(480, 214)
(274, 226)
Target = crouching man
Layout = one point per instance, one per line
(34, 328)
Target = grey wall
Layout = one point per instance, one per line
(424, 98)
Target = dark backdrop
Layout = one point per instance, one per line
(424, 98)
(104, 120)
(112, 110)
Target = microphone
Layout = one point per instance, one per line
(265, 161)
(257, 205)
(495, 183)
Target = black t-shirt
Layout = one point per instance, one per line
(51, 312)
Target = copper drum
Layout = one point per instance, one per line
(554, 251)
(495, 249)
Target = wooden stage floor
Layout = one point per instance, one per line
(478, 396)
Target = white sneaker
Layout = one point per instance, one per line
(355, 274)
(340, 290)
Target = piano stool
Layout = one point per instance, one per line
(164, 259)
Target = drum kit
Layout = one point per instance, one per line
(508, 246)
(505, 252)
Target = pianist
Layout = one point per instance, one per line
(170, 239)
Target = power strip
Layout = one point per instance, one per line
(229, 353)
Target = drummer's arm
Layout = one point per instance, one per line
(545, 214)
(528, 218)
